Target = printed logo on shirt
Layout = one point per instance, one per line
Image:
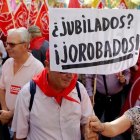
(14, 89)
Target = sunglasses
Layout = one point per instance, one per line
(63, 73)
(12, 45)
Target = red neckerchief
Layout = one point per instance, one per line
(42, 83)
(37, 43)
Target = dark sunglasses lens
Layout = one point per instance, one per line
(10, 44)
(63, 72)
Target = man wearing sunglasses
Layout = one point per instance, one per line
(57, 112)
(16, 71)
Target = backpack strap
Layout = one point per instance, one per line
(78, 90)
(32, 92)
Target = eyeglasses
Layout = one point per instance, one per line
(12, 45)
(63, 72)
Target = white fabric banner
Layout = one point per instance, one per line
(93, 41)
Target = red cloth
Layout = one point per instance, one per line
(42, 83)
(21, 15)
(37, 43)
(42, 20)
(74, 4)
(133, 99)
(133, 72)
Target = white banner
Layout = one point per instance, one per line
(93, 41)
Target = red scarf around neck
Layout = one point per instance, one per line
(37, 43)
(41, 81)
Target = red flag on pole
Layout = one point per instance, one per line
(6, 21)
(33, 12)
(4, 6)
(74, 4)
(21, 15)
(43, 20)
(133, 99)
(122, 5)
(100, 6)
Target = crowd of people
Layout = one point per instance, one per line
(38, 104)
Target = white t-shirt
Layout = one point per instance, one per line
(13, 83)
(47, 119)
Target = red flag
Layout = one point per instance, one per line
(122, 5)
(6, 22)
(33, 12)
(74, 4)
(21, 15)
(100, 5)
(133, 99)
(43, 20)
(4, 6)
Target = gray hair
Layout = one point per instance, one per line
(22, 32)
(34, 31)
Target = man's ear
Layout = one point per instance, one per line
(31, 37)
(25, 46)
(47, 64)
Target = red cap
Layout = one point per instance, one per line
(48, 55)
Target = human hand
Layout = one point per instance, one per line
(5, 116)
(122, 79)
(93, 125)
(93, 136)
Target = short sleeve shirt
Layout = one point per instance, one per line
(13, 83)
(47, 119)
(133, 115)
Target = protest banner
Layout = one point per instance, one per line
(93, 41)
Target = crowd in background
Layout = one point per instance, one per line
(109, 88)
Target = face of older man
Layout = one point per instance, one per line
(59, 81)
(14, 46)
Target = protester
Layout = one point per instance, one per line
(38, 44)
(16, 71)
(3, 37)
(131, 118)
(3, 54)
(57, 111)
(108, 97)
